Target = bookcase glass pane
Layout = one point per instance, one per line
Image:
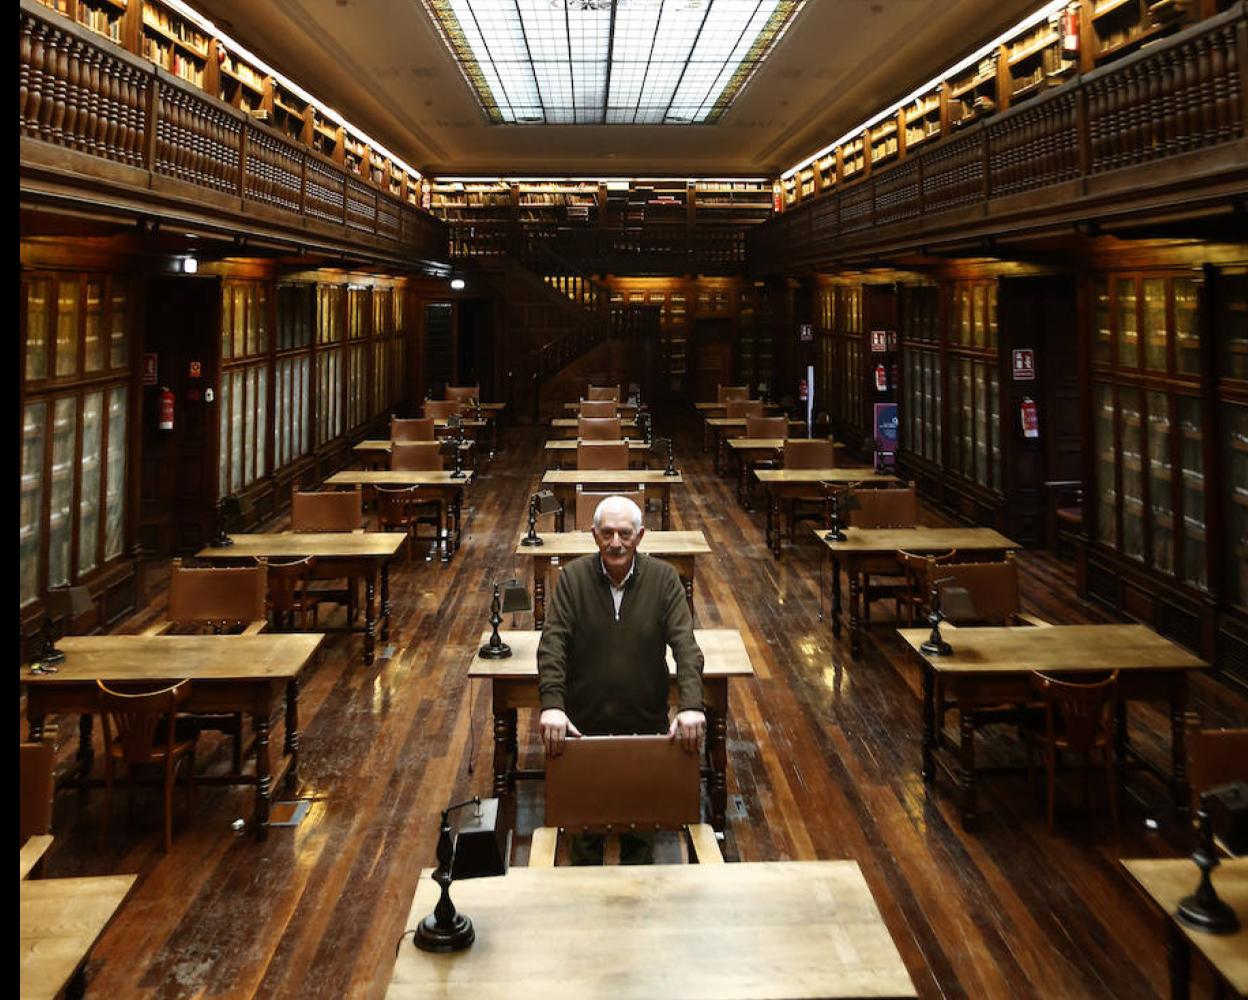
(1160, 480)
(93, 339)
(250, 408)
(1132, 473)
(992, 315)
(238, 323)
(994, 424)
(227, 323)
(262, 417)
(115, 491)
(223, 436)
(978, 299)
(1192, 459)
(118, 355)
(68, 297)
(1235, 459)
(1232, 325)
(1186, 332)
(38, 320)
(1128, 329)
(30, 527)
(1103, 338)
(61, 489)
(1154, 290)
(981, 425)
(237, 399)
(89, 492)
(966, 432)
(260, 318)
(1106, 488)
(955, 454)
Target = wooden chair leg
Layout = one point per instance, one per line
(169, 774)
(1050, 763)
(109, 767)
(238, 743)
(1111, 782)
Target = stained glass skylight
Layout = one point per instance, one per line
(610, 62)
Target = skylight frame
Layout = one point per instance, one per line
(609, 62)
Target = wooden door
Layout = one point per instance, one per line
(712, 357)
(178, 488)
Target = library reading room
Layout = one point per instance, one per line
(633, 499)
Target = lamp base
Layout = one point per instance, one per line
(940, 648)
(460, 474)
(222, 541)
(456, 937)
(1212, 915)
(530, 540)
(670, 472)
(51, 656)
(835, 536)
(499, 652)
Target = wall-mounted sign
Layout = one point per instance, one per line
(805, 332)
(150, 368)
(1024, 364)
(883, 341)
(197, 369)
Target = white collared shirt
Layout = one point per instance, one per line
(617, 593)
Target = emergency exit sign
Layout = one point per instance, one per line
(1024, 364)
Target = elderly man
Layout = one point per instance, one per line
(602, 658)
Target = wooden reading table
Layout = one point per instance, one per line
(375, 452)
(676, 547)
(794, 929)
(710, 411)
(563, 482)
(993, 666)
(351, 554)
(59, 921)
(787, 484)
(866, 545)
(624, 410)
(513, 683)
(566, 427)
(440, 486)
(228, 673)
(747, 451)
(1166, 881)
(721, 427)
(559, 452)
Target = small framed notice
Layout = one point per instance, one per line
(1024, 364)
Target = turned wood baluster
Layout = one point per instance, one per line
(103, 106)
(47, 108)
(1235, 109)
(89, 113)
(34, 97)
(1185, 87)
(110, 108)
(25, 45)
(1217, 69)
(1133, 118)
(186, 155)
(128, 99)
(76, 95)
(57, 124)
(1166, 114)
(1207, 97)
(174, 144)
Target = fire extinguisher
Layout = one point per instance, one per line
(802, 390)
(1029, 417)
(1070, 30)
(166, 409)
(881, 378)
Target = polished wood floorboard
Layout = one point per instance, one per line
(823, 758)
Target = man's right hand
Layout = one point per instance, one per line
(556, 727)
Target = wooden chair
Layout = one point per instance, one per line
(1215, 757)
(140, 729)
(993, 590)
(221, 599)
(732, 393)
(413, 429)
(602, 454)
(587, 503)
(463, 393)
(291, 596)
(333, 510)
(405, 509)
(442, 409)
(890, 508)
(740, 409)
(35, 787)
(599, 429)
(919, 569)
(599, 408)
(601, 392)
(416, 456)
(604, 784)
(804, 453)
(767, 427)
(1078, 719)
(1065, 512)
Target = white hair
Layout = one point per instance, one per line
(613, 504)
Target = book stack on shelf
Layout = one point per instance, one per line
(884, 146)
(974, 94)
(326, 134)
(174, 43)
(922, 119)
(853, 160)
(1035, 61)
(806, 178)
(826, 165)
(732, 202)
(102, 16)
(240, 84)
(1122, 25)
(289, 112)
(352, 153)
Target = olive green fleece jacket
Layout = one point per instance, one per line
(611, 676)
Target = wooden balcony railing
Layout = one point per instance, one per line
(81, 93)
(1181, 96)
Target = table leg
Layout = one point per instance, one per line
(928, 769)
(559, 518)
(717, 758)
(34, 727)
(86, 752)
(1179, 959)
(688, 582)
(665, 501)
(264, 780)
(291, 747)
(385, 602)
(855, 624)
(966, 759)
(539, 593)
(1122, 736)
(504, 750)
(721, 456)
(370, 618)
(836, 596)
(774, 521)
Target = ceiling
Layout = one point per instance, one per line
(383, 65)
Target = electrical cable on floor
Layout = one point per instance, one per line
(399, 943)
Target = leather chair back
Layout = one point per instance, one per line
(463, 392)
(217, 595)
(601, 392)
(34, 785)
(729, 393)
(599, 429)
(739, 409)
(416, 456)
(803, 453)
(885, 509)
(415, 429)
(602, 454)
(767, 427)
(587, 503)
(599, 408)
(991, 586)
(443, 409)
(333, 510)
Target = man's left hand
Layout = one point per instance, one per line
(689, 727)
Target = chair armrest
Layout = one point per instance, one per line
(1033, 620)
(542, 851)
(255, 628)
(703, 846)
(156, 628)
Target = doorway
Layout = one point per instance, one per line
(712, 357)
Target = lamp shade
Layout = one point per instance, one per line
(956, 604)
(515, 597)
(547, 502)
(68, 602)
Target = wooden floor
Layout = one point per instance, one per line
(823, 763)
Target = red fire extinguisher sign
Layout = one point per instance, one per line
(802, 389)
(881, 378)
(166, 409)
(1029, 417)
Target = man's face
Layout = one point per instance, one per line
(617, 541)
